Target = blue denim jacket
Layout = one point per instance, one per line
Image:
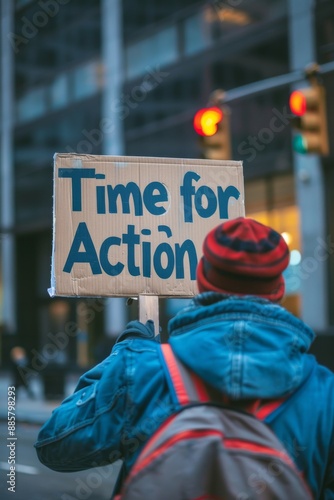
(245, 347)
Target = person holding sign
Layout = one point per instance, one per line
(238, 341)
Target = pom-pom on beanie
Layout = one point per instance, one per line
(244, 257)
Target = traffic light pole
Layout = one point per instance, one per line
(309, 182)
(7, 217)
(273, 83)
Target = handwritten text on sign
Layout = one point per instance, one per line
(139, 222)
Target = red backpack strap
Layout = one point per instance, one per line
(265, 409)
(187, 387)
(259, 408)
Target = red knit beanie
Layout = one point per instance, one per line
(243, 257)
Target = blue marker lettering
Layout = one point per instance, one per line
(131, 239)
(205, 191)
(164, 272)
(110, 269)
(187, 191)
(164, 259)
(151, 198)
(100, 200)
(146, 254)
(76, 174)
(205, 199)
(180, 251)
(224, 196)
(131, 189)
(83, 237)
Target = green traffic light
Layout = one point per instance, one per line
(299, 144)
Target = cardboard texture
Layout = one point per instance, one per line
(129, 226)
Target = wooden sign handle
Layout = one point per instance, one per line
(149, 309)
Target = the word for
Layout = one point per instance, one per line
(205, 199)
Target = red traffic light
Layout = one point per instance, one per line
(206, 121)
(298, 103)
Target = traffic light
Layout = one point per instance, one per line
(213, 126)
(310, 122)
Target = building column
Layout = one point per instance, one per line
(7, 215)
(309, 182)
(113, 139)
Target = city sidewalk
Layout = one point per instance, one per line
(34, 411)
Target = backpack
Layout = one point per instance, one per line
(210, 451)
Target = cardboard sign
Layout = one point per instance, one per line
(128, 226)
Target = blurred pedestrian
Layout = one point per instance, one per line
(240, 342)
(20, 363)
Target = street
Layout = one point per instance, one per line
(34, 481)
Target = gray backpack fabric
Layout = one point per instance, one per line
(210, 452)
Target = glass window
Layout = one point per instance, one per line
(136, 58)
(59, 92)
(324, 19)
(82, 82)
(31, 105)
(196, 34)
(159, 49)
(85, 80)
(165, 46)
(22, 3)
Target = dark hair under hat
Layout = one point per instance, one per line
(243, 257)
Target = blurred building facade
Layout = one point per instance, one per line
(113, 77)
